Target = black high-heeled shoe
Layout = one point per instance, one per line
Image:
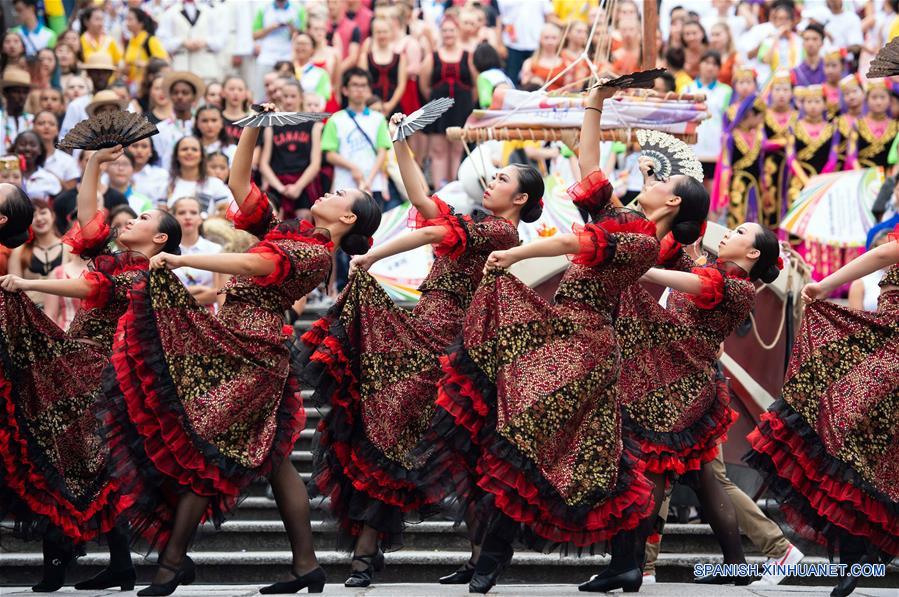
(315, 580)
(124, 579)
(462, 576)
(363, 578)
(493, 566)
(57, 557)
(849, 582)
(629, 581)
(184, 575)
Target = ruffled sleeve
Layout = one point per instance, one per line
(110, 277)
(270, 251)
(592, 193)
(101, 290)
(712, 281)
(89, 240)
(598, 242)
(457, 229)
(255, 214)
(672, 255)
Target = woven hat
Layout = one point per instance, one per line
(107, 97)
(13, 76)
(173, 76)
(98, 61)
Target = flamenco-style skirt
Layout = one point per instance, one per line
(676, 411)
(376, 365)
(53, 473)
(528, 418)
(829, 448)
(198, 402)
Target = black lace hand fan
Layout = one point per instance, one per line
(108, 130)
(643, 79)
(670, 155)
(266, 119)
(886, 63)
(422, 117)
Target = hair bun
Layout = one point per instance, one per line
(355, 244)
(533, 214)
(770, 274)
(687, 232)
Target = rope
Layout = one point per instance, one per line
(797, 266)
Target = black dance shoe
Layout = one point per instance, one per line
(489, 568)
(57, 558)
(628, 581)
(363, 578)
(124, 579)
(315, 580)
(462, 576)
(723, 579)
(184, 575)
(849, 582)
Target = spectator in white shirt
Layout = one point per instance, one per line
(843, 27)
(522, 22)
(149, 178)
(193, 36)
(99, 69)
(58, 162)
(36, 181)
(184, 89)
(190, 179)
(16, 84)
(203, 285)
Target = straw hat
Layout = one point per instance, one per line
(107, 97)
(14, 76)
(98, 61)
(173, 76)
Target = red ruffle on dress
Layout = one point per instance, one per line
(208, 403)
(529, 400)
(52, 462)
(377, 366)
(676, 404)
(829, 447)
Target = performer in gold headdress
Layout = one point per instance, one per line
(812, 143)
(853, 107)
(780, 118)
(870, 141)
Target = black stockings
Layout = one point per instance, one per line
(119, 551)
(293, 505)
(188, 513)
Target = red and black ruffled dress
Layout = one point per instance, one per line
(829, 447)
(675, 401)
(528, 406)
(208, 403)
(53, 471)
(377, 366)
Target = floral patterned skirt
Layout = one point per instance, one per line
(377, 366)
(830, 447)
(198, 402)
(528, 416)
(52, 462)
(675, 410)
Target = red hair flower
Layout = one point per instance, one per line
(780, 263)
(30, 235)
(703, 227)
(371, 241)
(541, 203)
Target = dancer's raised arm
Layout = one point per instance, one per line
(882, 257)
(413, 179)
(88, 205)
(242, 163)
(588, 148)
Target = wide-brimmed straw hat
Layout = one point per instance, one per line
(98, 61)
(13, 76)
(107, 97)
(173, 76)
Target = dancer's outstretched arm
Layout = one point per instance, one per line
(88, 205)
(561, 244)
(413, 179)
(242, 163)
(588, 148)
(78, 288)
(685, 282)
(429, 235)
(234, 264)
(879, 258)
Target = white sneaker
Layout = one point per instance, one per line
(649, 579)
(793, 556)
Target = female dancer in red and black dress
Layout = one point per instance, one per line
(676, 405)
(16, 213)
(529, 401)
(205, 404)
(377, 365)
(53, 479)
(828, 447)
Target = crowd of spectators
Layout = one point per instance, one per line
(194, 67)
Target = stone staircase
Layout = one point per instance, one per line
(252, 547)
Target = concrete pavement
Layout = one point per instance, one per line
(434, 590)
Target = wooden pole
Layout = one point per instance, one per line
(650, 31)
